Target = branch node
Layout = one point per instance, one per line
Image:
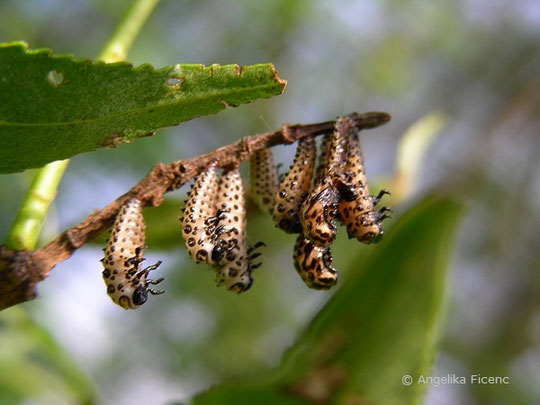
(288, 133)
(73, 238)
(19, 274)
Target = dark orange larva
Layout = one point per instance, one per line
(294, 187)
(314, 264)
(128, 284)
(358, 214)
(319, 209)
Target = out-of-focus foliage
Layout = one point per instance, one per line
(34, 367)
(381, 325)
(475, 61)
(53, 107)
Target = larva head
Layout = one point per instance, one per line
(363, 222)
(235, 275)
(294, 187)
(263, 178)
(370, 230)
(318, 212)
(314, 265)
(200, 222)
(130, 290)
(131, 298)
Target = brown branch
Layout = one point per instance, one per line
(20, 271)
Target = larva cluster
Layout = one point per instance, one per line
(307, 201)
(339, 192)
(127, 284)
(214, 228)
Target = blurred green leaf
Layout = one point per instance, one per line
(38, 367)
(54, 107)
(381, 325)
(412, 149)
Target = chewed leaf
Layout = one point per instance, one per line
(54, 107)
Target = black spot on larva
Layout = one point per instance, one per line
(202, 253)
(110, 289)
(106, 273)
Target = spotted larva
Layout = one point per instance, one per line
(263, 179)
(359, 215)
(128, 284)
(201, 220)
(234, 270)
(314, 264)
(294, 187)
(236, 275)
(319, 209)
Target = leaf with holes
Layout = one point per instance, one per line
(54, 107)
(381, 325)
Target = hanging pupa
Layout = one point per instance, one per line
(128, 284)
(294, 187)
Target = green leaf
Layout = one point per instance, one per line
(35, 367)
(381, 325)
(54, 107)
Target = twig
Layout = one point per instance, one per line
(21, 270)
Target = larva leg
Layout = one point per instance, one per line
(381, 194)
(155, 292)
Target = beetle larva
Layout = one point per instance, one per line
(128, 284)
(359, 215)
(314, 264)
(294, 187)
(200, 222)
(234, 270)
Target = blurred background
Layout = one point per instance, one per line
(465, 71)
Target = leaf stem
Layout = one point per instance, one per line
(29, 220)
(116, 48)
